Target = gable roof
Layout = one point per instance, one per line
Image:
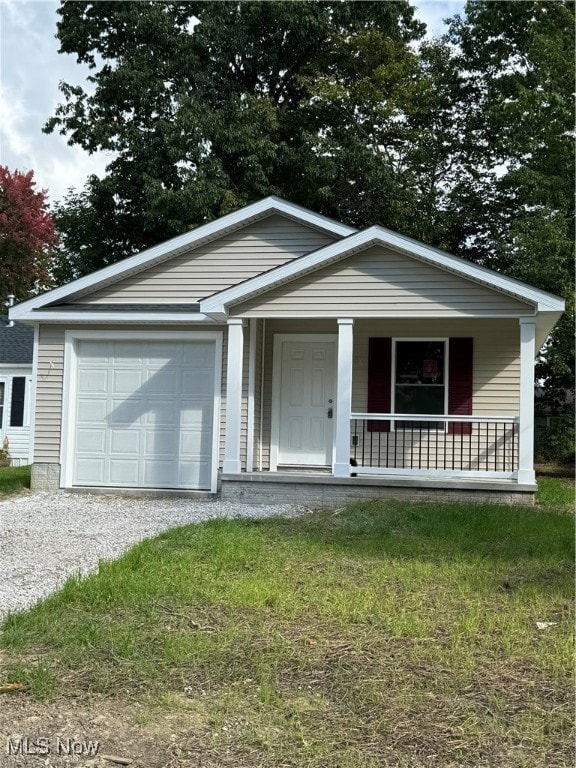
(16, 343)
(170, 248)
(217, 305)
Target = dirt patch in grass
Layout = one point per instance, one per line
(555, 470)
(407, 720)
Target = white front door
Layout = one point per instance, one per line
(306, 401)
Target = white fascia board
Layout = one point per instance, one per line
(376, 235)
(131, 317)
(195, 237)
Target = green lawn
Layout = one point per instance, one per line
(14, 479)
(380, 632)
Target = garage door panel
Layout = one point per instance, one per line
(126, 382)
(162, 382)
(128, 353)
(195, 414)
(200, 381)
(126, 441)
(96, 352)
(160, 353)
(124, 471)
(144, 415)
(89, 471)
(91, 441)
(160, 474)
(162, 413)
(195, 473)
(93, 381)
(193, 443)
(93, 410)
(161, 442)
(201, 355)
(126, 412)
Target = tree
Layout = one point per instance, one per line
(27, 236)
(465, 143)
(518, 60)
(211, 105)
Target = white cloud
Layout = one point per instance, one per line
(30, 71)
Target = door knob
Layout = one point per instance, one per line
(330, 412)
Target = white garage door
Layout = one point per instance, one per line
(144, 414)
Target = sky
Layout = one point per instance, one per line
(30, 71)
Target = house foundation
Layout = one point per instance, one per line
(45, 477)
(325, 491)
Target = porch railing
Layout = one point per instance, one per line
(435, 444)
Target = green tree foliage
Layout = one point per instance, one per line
(211, 105)
(518, 61)
(464, 143)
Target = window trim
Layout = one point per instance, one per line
(3, 408)
(10, 425)
(446, 341)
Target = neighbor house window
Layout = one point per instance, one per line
(17, 401)
(419, 384)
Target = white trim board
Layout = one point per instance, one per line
(129, 316)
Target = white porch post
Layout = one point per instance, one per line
(344, 398)
(233, 397)
(526, 472)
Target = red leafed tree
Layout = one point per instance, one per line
(27, 236)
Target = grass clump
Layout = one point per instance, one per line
(14, 480)
(382, 632)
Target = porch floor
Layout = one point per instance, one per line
(311, 487)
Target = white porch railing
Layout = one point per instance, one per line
(435, 445)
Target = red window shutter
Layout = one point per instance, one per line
(379, 381)
(460, 362)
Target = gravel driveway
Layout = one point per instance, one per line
(46, 537)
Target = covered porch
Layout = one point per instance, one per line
(477, 456)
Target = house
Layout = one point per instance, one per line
(16, 350)
(275, 353)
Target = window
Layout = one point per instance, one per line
(17, 401)
(421, 376)
(420, 380)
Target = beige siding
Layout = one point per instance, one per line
(210, 268)
(380, 282)
(49, 394)
(496, 378)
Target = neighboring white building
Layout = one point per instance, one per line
(16, 352)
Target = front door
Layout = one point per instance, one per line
(305, 391)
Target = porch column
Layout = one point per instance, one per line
(526, 472)
(344, 397)
(233, 397)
